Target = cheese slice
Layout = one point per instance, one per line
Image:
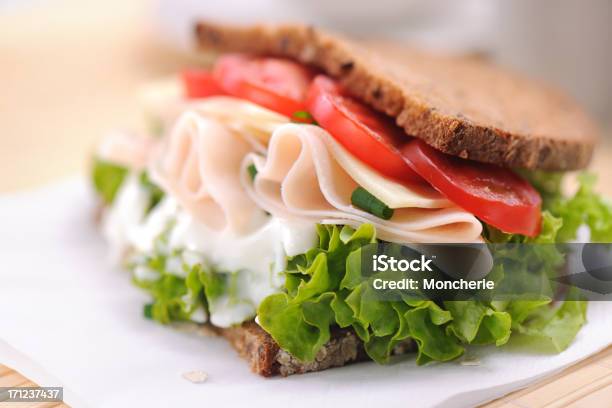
(390, 192)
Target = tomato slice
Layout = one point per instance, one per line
(274, 83)
(494, 194)
(370, 136)
(199, 83)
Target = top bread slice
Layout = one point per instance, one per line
(461, 106)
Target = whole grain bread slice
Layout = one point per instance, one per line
(266, 358)
(461, 106)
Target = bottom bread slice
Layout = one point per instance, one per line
(266, 358)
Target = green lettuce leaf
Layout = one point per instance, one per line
(107, 178)
(309, 323)
(476, 322)
(324, 288)
(300, 319)
(586, 207)
(541, 321)
(425, 324)
(176, 295)
(557, 326)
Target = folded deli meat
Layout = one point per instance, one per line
(262, 177)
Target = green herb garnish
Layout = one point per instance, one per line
(303, 117)
(147, 310)
(361, 198)
(156, 194)
(252, 171)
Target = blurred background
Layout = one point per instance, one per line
(70, 70)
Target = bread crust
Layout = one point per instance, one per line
(462, 106)
(254, 345)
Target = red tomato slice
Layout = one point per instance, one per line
(494, 194)
(274, 83)
(199, 83)
(370, 136)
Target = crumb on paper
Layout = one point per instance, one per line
(196, 376)
(470, 361)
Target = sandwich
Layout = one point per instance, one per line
(246, 208)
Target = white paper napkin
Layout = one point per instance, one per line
(63, 306)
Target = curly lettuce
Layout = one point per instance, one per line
(324, 288)
(177, 287)
(586, 207)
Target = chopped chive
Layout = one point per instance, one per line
(155, 193)
(147, 311)
(361, 198)
(252, 171)
(303, 117)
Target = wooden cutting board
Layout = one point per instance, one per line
(11, 378)
(69, 72)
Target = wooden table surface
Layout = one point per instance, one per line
(69, 72)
